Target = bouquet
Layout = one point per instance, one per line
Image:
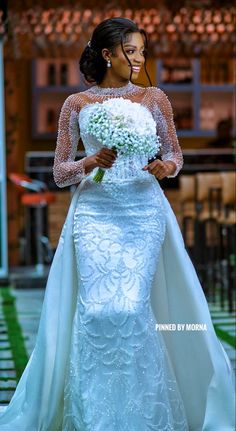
(128, 127)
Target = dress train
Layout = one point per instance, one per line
(202, 368)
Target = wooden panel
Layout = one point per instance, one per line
(57, 213)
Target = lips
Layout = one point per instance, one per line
(136, 69)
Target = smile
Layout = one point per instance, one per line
(136, 69)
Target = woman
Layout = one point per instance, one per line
(121, 271)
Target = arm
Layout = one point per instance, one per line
(66, 171)
(163, 115)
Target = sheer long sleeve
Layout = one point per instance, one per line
(66, 170)
(163, 115)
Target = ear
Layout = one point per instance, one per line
(106, 54)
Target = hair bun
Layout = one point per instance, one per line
(88, 63)
(108, 34)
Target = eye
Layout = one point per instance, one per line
(130, 51)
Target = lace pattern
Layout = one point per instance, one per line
(119, 374)
(161, 109)
(67, 171)
(114, 92)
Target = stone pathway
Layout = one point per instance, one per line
(7, 366)
(28, 305)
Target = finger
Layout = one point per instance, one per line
(109, 151)
(161, 167)
(157, 164)
(156, 170)
(151, 165)
(161, 175)
(157, 173)
(109, 157)
(104, 163)
(148, 168)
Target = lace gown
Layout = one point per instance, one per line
(99, 362)
(119, 375)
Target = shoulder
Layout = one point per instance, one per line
(160, 98)
(75, 101)
(157, 93)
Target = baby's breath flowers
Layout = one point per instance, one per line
(128, 127)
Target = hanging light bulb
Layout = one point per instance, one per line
(76, 17)
(38, 29)
(59, 27)
(191, 28)
(78, 29)
(200, 28)
(128, 13)
(207, 16)
(48, 29)
(156, 19)
(177, 19)
(217, 17)
(210, 28)
(230, 28)
(170, 28)
(214, 37)
(227, 18)
(220, 28)
(69, 29)
(150, 28)
(197, 17)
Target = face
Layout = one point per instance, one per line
(134, 48)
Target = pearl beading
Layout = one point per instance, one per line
(67, 171)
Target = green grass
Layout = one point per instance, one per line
(226, 323)
(223, 335)
(14, 332)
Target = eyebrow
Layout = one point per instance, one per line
(133, 46)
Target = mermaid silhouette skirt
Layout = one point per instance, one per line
(119, 375)
(98, 363)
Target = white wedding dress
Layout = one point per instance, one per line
(100, 362)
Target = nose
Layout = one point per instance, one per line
(139, 58)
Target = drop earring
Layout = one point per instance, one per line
(108, 63)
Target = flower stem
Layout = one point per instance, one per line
(99, 175)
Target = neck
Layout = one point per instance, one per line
(110, 82)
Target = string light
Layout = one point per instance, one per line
(178, 32)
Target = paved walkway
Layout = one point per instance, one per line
(28, 305)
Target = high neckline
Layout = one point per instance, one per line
(114, 91)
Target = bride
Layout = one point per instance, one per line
(125, 340)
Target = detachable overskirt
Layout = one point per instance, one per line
(202, 369)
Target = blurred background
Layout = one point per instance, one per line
(192, 57)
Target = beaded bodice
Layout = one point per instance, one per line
(72, 127)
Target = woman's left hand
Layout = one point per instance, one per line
(160, 168)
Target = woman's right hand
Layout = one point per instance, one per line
(104, 158)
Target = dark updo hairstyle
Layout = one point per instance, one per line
(108, 34)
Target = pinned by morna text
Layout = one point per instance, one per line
(181, 327)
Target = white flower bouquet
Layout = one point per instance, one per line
(128, 127)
